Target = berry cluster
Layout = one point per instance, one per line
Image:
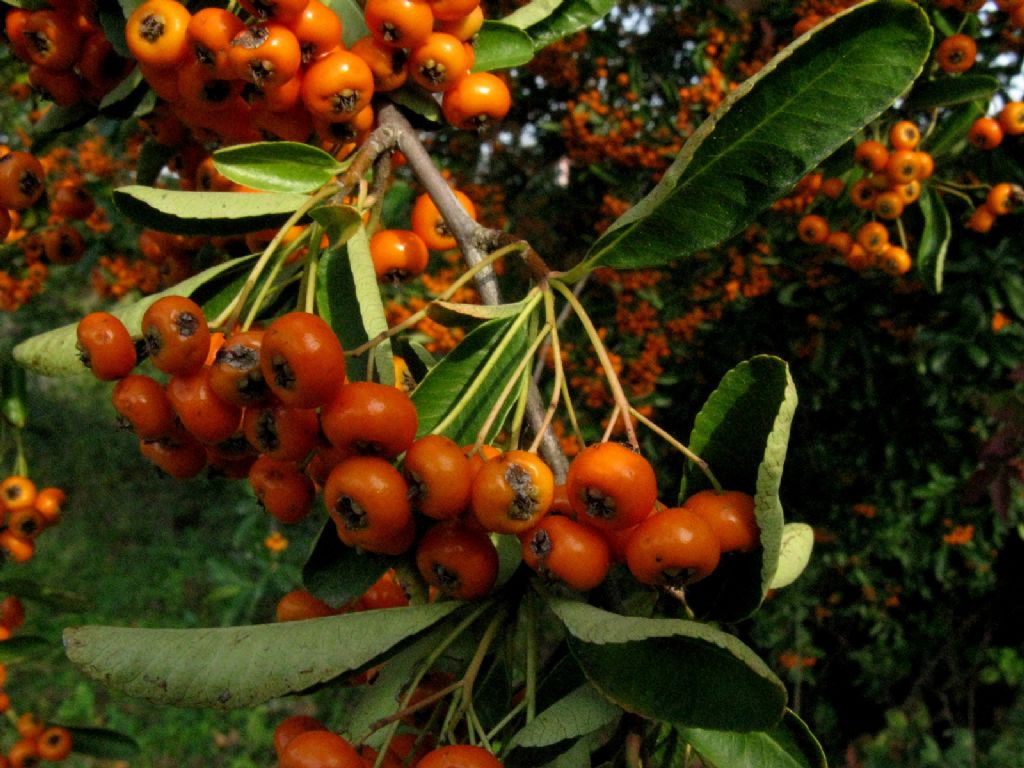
(25, 512)
(37, 741)
(284, 71)
(302, 741)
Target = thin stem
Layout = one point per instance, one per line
(618, 395)
(492, 361)
(701, 464)
(20, 461)
(512, 715)
(531, 656)
(514, 379)
(522, 399)
(556, 350)
(229, 318)
(612, 421)
(413, 708)
(902, 233)
(312, 264)
(414, 318)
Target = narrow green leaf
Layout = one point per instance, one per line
(789, 744)
(532, 13)
(338, 573)
(501, 46)
(51, 597)
(228, 667)
(581, 712)
(446, 312)
(384, 697)
(206, 213)
(123, 90)
(447, 382)
(742, 432)
(103, 743)
(794, 554)
(24, 647)
(348, 297)
(54, 353)
(353, 23)
(58, 120)
(947, 91)
(950, 132)
(417, 100)
(277, 166)
(12, 393)
(678, 671)
(567, 19)
(935, 237)
(340, 222)
(771, 131)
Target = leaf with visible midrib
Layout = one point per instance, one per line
(682, 672)
(54, 353)
(935, 236)
(277, 166)
(228, 667)
(789, 744)
(742, 432)
(770, 132)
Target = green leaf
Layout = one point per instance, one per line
(935, 237)
(532, 13)
(123, 91)
(58, 120)
(228, 667)
(340, 222)
(53, 353)
(770, 132)
(789, 744)
(12, 393)
(950, 132)
(206, 213)
(152, 158)
(277, 166)
(337, 573)
(794, 554)
(682, 672)
(51, 597)
(446, 384)
(501, 46)
(24, 647)
(581, 712)
(947, 91)
(103, 743)
(742, 432)
(353, 23)
(417, 100)
(447, 313)
(384, 697)
(567, 19)
(348, 297)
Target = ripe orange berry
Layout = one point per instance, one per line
(895, 260)
(812, 229)
(460, 561)
(368, 500)
(871, 155)
(889, 205)
(398, 254)
(981, 220)
(674, 547)
(459, 756)
(1004, 198)
(428, 223)
(1011, 117)
(611, 487)
(370, 418)
(399, 23)
(439, 479)
(319, 749)
(731, 516)
(177, 336)
(438, 63)
(904, 135)
(157, 33)
(512, 492)
(873, 237)
(292, 726)
(22, 180)
(477, 101)
(567, 551)
(986, 133)
(956, 53)
(105, 347)
(298, 605)
(337, 87)
(302, 360)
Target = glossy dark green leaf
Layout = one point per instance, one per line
(448, 382)
(581, 712)
(123, 91)
(206, 213)
(678, 671)
(789, 744)
(568, 18)
(531, 13)
(348, 297)
(53, 353)
(103, 743)
(353, 22)
(935, 236)
(228, 667)
(947, 91)
(22, 647)
(742, 432)
(500, 46)
(338, 573)
(417, 100)
(771, 131)
(58, 120)
(277, 166)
